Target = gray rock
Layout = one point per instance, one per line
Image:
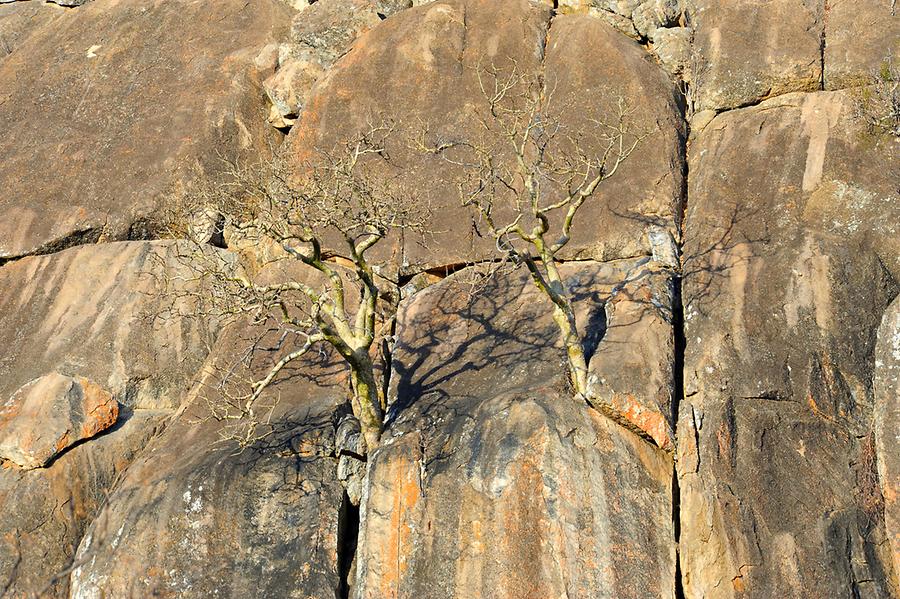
(673, 48)
(50, 414)
(653, 15)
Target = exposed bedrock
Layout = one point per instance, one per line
(107, 107)
(492, 481)
(95, 357)
(766, 467)
(193, 517)
(419, 69)
(746, 51)
(790, 262)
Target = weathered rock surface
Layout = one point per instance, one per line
(420, 67)
(48, 415)
(319, 36)
(58, 2)
(887, 425)
(84, 314)
(106, 107)
(859, 36)
(791, 220)
(46, 511)
(193, 517)
(103, 312)
(746, 51)
(492, 481)
(18, 19)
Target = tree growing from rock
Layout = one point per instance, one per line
(328, 215)
(527, 192)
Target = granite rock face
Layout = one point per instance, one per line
(193, 517)
(420, 68)
(47, 510)
(319, 36)
(745, 51)
(491, 480)
(108, 106)
(791, 221)
(48, 415)
(120, 354)
(859, 36)
(108, 313)
(736, 284)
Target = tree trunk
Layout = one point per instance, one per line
(578, 372)
(367, 397)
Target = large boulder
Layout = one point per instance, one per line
(492, 481)
(196, 516)
(106, 107)
(745, 51)
(50, 414)
(791, 221)
(420, 69)
(859, 36)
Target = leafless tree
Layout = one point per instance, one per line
(528, 191)
(328, 215)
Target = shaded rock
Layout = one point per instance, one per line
(128, 98)
(887, 425)
(790, 223)
(350, 448)
(50, 414)
(97, 313)
(623, 310)
(746, 51)
(46, 511)
(859, 36)
(421, 67)
(109, 313)
(195, 517)
(673, 48)
(491, 481)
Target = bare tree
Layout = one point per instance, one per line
(528, 192)
(327, 214)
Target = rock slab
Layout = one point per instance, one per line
(492, 481)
